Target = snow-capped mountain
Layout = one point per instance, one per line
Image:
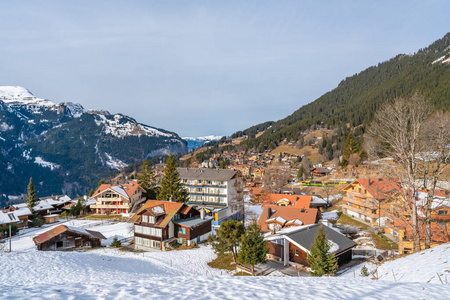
(196, 142)
(66, 148)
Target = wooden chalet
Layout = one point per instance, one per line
(320, 172)
(117, 199)
(293, 246)
(65, 237)
(159, 224)
(274, 217)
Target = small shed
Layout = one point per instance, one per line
(51, 219)
(65, 237)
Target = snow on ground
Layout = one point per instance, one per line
(330, 215)
(208, 287)
(418, 267)
(109, 273)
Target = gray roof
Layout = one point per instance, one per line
(206, 174)
(306, 235)
(193, 222)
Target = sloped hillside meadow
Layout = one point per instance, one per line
(112, 274)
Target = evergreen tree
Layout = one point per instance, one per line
(350, 147)
(171, 187)
(319, 259)
(146, 179)
(227, 237)
(301, 173)
(31, 196)
(253, 249)
(78, 208)
(91, 192)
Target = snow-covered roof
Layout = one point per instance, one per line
(24, 211)
(8, 217)
(158, 210)
(120, 190)
(277, 219)
(294, 221)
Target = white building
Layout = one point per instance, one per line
(216, 190)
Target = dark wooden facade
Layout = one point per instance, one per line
(69, 241)
(192, 233)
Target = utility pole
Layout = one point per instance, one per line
(9, 237)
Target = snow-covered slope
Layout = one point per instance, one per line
(418, 267)
(19, 95)
(113, 274)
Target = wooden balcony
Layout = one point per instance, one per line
(368, 213)
(367, 204)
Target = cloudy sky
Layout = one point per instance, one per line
(204, 67)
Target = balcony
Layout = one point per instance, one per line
(368, 204)
(368, 213)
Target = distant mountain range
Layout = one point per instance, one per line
(196, 142)
(66, 148)
(353, 102)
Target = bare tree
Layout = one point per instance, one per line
(435, 158)
(396, 130)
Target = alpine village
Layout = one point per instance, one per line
(354, 185)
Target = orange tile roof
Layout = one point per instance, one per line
(170, 209)
(129, 188)
(297, 200)
(379, 188)
(439, 234)
(306, 215)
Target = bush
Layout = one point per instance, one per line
(116, 243)
(4, 228)
(36, 221)
(364, 271)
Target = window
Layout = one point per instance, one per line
(182, 230)
(145, 219)
(59, 244)
(350, 196)
(146, 242)
(138, 240)
(176, 217)
(296, 252)
(151, 219)
(442, 212)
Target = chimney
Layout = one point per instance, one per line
(269, 212)
(202, 214)
(171, 199)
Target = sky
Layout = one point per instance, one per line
(204, 67)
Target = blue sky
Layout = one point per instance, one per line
(204, 67)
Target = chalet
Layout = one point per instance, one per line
(13, 215)
(366, 199)
(440, 223)
(65, 237)
(288, 200)
(291, 246)
(274, 217)
(320, 172)
(159, 224)
(244, 169)
(117, 199)
(47, 205)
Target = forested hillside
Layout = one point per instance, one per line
(354, 101)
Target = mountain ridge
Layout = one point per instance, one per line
(66, 148)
